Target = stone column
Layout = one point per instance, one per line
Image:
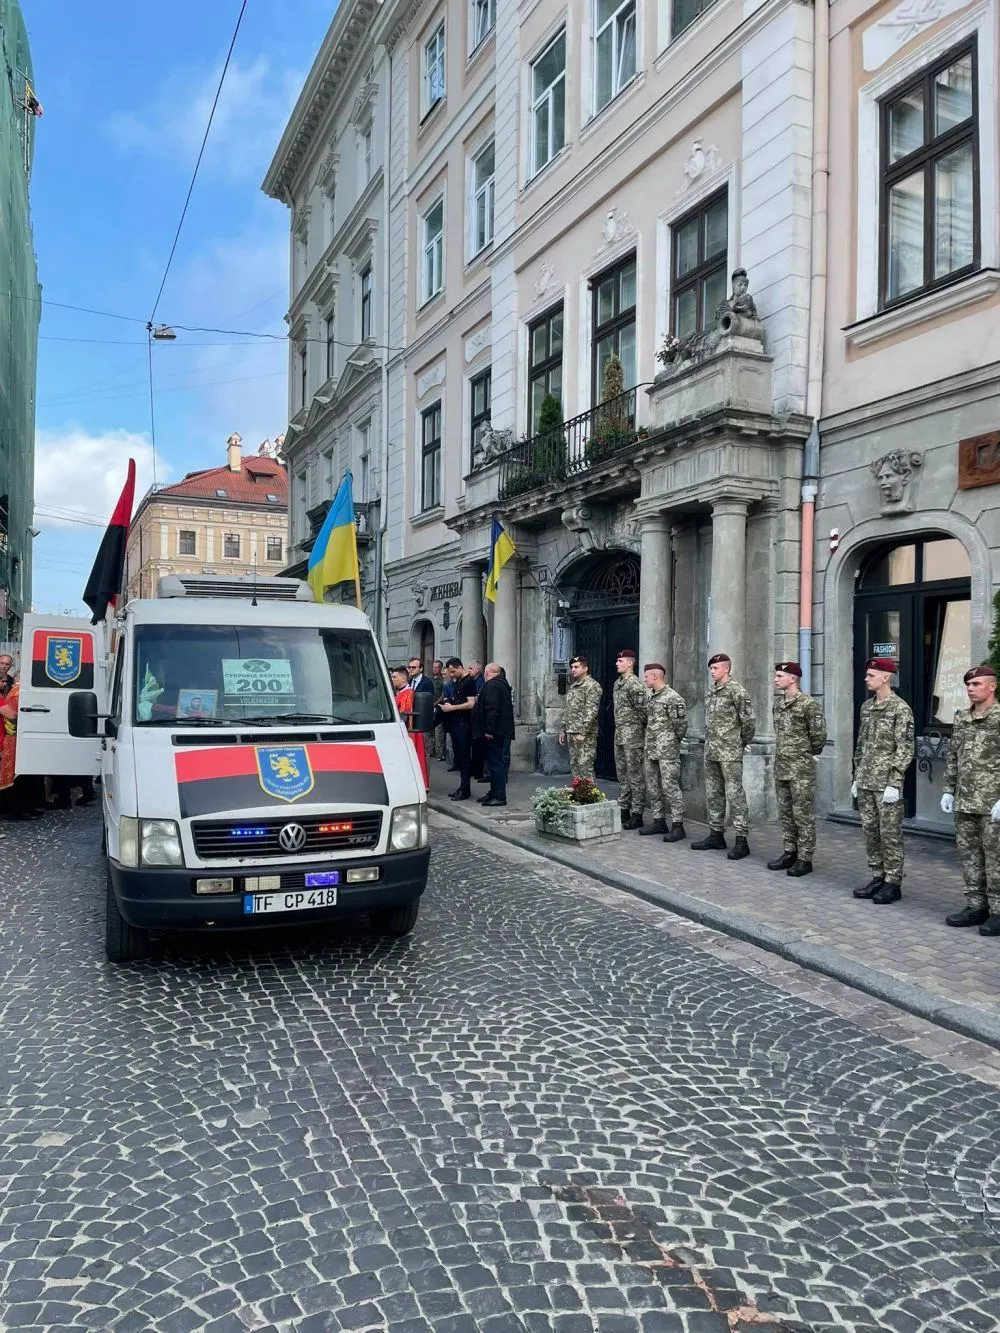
(727, 627)
(655, 591)
(472, 613)
(505, 645)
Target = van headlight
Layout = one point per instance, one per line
(160, 843)
(408, 829)
(128, 841)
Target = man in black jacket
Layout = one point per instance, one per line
(496, 716)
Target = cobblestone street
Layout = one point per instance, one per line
(554, 1107)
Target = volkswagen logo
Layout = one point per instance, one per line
(292, 838)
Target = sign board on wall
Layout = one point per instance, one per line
(562, 642)
(979, 461)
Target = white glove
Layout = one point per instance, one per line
(890, 796)
(948, 803)
(854, 791)
(995, 813)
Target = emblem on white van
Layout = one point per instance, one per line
(292, 838)
(285, 771)
(63, 658)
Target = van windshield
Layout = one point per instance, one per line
(211, 675)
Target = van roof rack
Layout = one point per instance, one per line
(243, 587)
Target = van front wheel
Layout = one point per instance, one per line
(122, 943)
(396, 921)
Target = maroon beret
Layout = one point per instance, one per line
(881, 664)
(720, 657)
(629, 652)
(789, 668)
(655, 666)
(979, 672)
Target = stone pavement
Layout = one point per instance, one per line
(554, 1108)
(903, 952)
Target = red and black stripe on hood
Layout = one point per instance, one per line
(218, 778)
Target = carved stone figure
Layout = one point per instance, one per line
(735, 317)
(490, 445)
(894, 475)
(419, 591)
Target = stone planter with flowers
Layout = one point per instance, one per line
(578, 813)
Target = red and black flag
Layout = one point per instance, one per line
(105, 583)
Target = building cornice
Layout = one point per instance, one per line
(149, 502)
(338, 245)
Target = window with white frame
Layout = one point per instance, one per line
(186, 542)
(274, 548)
(231, 546)
(482, 198)
(484, 17)
(433, 84)
(614, 48)
(430, 457)
(330, 325)
(481, 396)
(684, 13)
(928, 212)
(366, 302)
(364, 460)
(303, 374)
(367, 150)
(328, 486)
(300, 523)
(432, 278)
(548, 103)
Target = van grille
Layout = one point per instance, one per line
(219, 839)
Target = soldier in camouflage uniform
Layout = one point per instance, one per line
(972, 792)
(799, 736)
(628, 700)
(884, 752)
(730, 724)
(583, 702)
(666, 727)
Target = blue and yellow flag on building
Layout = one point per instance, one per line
(334, 556)
(501, 550)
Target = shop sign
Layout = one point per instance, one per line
(562, 643)
(885, 650)
(439, 591)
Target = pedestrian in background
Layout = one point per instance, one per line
(498, 731)
(418, 681)
(730, 724)
(401, 684)
(628, 700)
(438, 738)
(666, 727)
(883, 754)
(478, 759)
(580, 718)
(972, 794)
(799, 737)
(6, 674)
(16, 794)
(459, 714)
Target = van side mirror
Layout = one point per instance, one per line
(81, 714)
(422, 713)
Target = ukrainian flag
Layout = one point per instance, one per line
(334, 557)
(501, 550)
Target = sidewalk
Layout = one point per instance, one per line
(902, 953)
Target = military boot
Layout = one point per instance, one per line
(741, 848)
(888, 893)
(714, 842)
(968, 916)
(991, 926)
(676, 833)
(785, 860)
(634, 820)
(872, 887)
(657, 826)
(799, 869)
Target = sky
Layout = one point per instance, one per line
(126, 90)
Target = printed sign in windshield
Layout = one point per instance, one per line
(257, 680)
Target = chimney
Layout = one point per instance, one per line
(233, 452)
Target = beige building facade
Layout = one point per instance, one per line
(908, 517)
(230, 520)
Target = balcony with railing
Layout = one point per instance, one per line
(573, 448)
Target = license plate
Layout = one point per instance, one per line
(296, 900)
(321, 878)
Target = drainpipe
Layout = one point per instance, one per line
(817, 327)
(382, 631)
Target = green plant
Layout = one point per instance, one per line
(993, 650)
(549, 414)
(585, 791)
(550, 804)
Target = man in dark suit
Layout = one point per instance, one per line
(418, 681)
(495, 707)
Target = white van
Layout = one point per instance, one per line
(255, 770)
(59, 655)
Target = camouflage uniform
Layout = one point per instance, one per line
(973, 777)
(799, 735)
(884, 752)
(730, 724)
(666, 727)
(583, 700)
(628, 699)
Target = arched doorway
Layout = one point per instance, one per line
(422, 643)
(604, 606)
(913, 603)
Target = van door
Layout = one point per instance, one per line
(59, 654)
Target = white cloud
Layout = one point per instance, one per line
(79, 475)
(254, 105)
